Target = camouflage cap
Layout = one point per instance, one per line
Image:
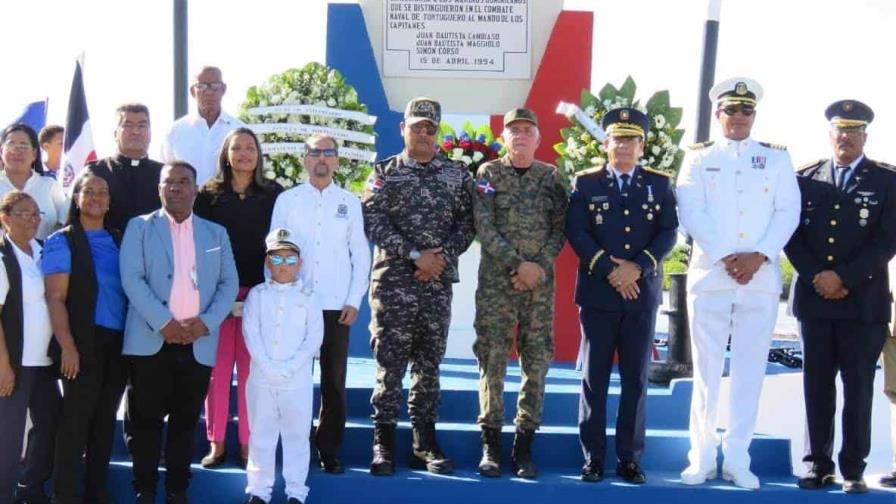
(520, 114)
(423, 109)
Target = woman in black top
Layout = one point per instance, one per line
(242, 200)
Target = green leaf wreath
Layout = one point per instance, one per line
(580, 149)
(324, 88)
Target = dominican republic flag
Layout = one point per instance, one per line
(485, 187)
(78, 143)
(34, 115)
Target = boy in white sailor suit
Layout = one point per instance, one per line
(739, 201)
(283, 329)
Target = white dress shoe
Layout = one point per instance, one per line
(741, 477)
(696, 475)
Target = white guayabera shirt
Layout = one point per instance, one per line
(190, 139)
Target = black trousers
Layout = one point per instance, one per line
(170, 383)
(87, 422)
(604, 333)
(333, 362)
(852, 348)
(36, 391)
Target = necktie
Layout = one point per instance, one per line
(625, 180)
(842, 172)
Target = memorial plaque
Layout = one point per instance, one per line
(457, 38)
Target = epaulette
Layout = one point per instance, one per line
(811, 164)
(773, 146)
(656, 172)
(701, 145)
(886, 166)
(589, 171)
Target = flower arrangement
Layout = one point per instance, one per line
(293, 105)
(472, 147)
(581, 147)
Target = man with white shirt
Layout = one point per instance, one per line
(197, 138)
(739, 201)
(325, 221)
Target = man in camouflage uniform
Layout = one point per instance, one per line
(519, 209)
(418, 212)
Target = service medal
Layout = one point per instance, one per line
(606, 206)
(863, 213)
(863, 222)
(650, 216)
(598, 219)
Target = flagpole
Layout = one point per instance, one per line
(180, 58)
(708, 69)
(679, 362)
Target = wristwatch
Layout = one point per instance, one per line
(414, 254)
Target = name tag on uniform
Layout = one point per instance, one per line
(450, 178)
(398, 178)
(342, 211)
(598, 199)
(713, 168)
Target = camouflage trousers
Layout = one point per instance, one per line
(409, 323)
(499, 310)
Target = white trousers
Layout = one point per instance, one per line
(749, 318)
(285, 415)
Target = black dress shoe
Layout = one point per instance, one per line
(592, 473)
(331, 463)
(34, 499)
(888, 480)
(854, 486)
(816, 479)
(630, 471)
(176, 498)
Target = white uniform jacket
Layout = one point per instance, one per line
(283, 328)
(737, 196)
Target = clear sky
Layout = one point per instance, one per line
(805, 53)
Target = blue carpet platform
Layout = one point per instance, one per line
(556, 451)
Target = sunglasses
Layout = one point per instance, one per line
(278, 260)
(746, 110)
(321, 152)
(428, 129)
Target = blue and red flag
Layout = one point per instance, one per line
(78, 148)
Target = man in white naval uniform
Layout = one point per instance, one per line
(739, 201)
(283, 328)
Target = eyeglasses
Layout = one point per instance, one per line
(214, 86)
(26, 215)
(746, 110)
(19, 146)
(420, 129)
(321, 152)
(278, 260)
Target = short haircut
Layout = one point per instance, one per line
(48, 132)
(323, 136)
(203, 68)
(13, 198)
(37, 165)
(133, 108)
(179, 164)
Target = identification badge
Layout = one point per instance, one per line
(342, 211)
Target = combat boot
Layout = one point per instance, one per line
(490, 465)
(522, 454)
(427, 453)
(383, 463)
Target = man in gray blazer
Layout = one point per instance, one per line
(180, 279)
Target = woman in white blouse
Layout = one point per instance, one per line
(27, 378)
(22, 169)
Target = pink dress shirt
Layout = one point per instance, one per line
(184, 299)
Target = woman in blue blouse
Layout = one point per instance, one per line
(87, 310)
